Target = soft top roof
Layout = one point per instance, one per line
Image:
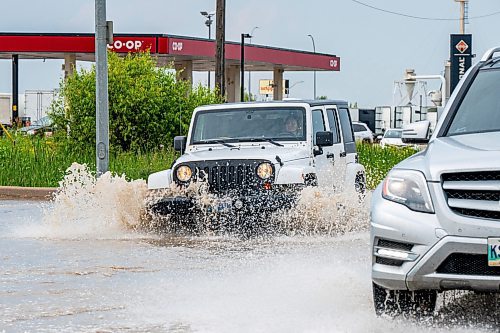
(294, 101)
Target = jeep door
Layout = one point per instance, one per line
(329, 173)
(338, 149)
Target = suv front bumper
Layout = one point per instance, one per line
(430, 258)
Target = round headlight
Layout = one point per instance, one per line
(265, 170)
(184, 173)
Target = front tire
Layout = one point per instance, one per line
(419, 303)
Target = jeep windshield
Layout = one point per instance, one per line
(479, 110)
(249, 125)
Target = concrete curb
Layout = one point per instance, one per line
(26, 193)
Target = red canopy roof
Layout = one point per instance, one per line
(166, 47)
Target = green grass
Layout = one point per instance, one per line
(42, 162)
(378, 161)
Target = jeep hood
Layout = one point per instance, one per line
(286, 154)
(460, 153)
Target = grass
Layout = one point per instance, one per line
(378, 161)
(42, 162)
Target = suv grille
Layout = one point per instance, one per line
(474, 194)
(467, 264)
(224, 176)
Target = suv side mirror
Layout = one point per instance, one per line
(416, 132)
(324, 139)
(180, 144)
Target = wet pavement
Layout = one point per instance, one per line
(99, 278)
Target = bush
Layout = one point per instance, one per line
(378, 161)
(148, 106)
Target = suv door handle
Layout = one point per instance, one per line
(330, 155)
(343, 154)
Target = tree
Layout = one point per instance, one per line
(148, 105)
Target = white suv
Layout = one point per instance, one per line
(255, 157)
(362, 132)
(435, 219)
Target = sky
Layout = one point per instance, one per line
(375, 47)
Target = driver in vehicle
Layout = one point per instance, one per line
(292, 126)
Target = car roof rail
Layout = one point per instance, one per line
(489, 54)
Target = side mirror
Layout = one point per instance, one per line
(180, 144)
(416, 133)
(324, 139)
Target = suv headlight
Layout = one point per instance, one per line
(409, 188)
(265, 170)
(184, 173)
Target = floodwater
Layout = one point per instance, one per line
(79, 264)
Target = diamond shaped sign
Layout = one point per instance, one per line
(462, 46)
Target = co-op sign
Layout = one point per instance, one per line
(127, 44)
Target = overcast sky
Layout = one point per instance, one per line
(375, 47)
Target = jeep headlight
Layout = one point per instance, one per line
(409, 188)
(265, 170)
(184, 173)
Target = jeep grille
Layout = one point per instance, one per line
(474, 194)
(225, 176)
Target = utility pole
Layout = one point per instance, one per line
(220, 66)
(464, 15)
(314, 50)
(102, 109)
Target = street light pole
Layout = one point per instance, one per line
(250, 72)
(102, 110)
(208, 23)
(242, 65)
(293, 85)
(314, 49)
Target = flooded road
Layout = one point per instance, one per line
(102, 279)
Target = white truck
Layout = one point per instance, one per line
(256, 157)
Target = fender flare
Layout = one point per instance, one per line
(160, 180)
(353, 170)
(293, 174)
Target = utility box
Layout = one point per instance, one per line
(5, 109)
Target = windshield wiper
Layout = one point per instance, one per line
(261, 140)
(219, 141)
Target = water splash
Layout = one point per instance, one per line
(112, 207)
(88, 207)
(320, 211)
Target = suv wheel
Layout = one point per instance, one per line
(395, 302)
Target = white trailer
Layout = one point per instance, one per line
(5, 109)
(37, 103)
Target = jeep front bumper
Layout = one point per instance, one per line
(226, 204)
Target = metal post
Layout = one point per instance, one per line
(208, 23)
(314, 49)
(242, 66)
(15, 89)
(209, 36)
(102, 112)
(250, 72)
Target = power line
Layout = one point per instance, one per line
(421, 17)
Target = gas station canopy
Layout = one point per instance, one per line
(167, 48)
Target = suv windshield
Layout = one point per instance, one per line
(393, 134)
(253, 124)
(480, 108)
(358, 128)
